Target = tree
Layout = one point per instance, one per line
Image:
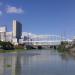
(6, 45)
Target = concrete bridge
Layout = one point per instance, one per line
(57, 42)
(43, 40)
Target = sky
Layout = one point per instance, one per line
(40, 16)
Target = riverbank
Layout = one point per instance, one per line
(7, 51)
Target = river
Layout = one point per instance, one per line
(37, 62)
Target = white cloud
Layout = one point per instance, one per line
(13, 9)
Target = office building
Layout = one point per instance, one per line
(17, 30)
(3, 33)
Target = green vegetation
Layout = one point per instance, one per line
(9, 47)
(8, 51)
(6, 45)
(62, 46)
(19, 46)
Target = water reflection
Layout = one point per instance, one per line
(10, 64)
(42, 62)
(18, 64)
(67, 56)
(5, 64)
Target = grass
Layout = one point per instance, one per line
(7, 51)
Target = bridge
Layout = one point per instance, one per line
(43, 40)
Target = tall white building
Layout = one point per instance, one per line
(3, 33)
(17, 31)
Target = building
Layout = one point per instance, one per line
(17, 31)
(3, 31)
(18, 37)
(14, 36)
(9, 36)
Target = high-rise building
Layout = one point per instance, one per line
(3, 33)
(17, 30)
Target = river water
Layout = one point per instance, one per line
(37, 62)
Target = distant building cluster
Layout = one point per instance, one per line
(13, 36)
(16, 36)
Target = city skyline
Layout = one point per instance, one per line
(40, 16)
(18, 37)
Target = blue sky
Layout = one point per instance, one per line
(40, 16)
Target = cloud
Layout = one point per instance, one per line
(13, 9)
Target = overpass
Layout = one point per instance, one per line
(43, 40)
